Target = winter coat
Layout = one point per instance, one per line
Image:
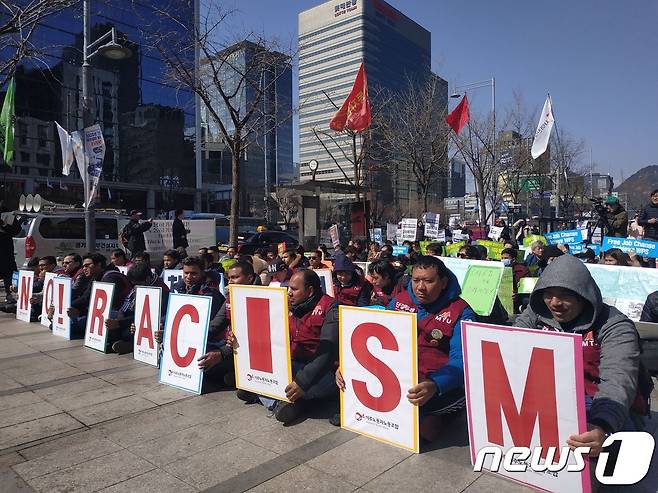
(7, 259)
(650, 230)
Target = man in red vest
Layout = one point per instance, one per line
(433, 294)
(350, 288)
(566, 299)
(313, 322)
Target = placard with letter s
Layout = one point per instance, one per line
(378, 361)
(259, 320)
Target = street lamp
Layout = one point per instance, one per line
(313, 166)
(108, 46)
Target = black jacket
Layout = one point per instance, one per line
(179, 234)
(650, 230)
(618, 223)
(135, 234)
(7, 261)
(650, 310)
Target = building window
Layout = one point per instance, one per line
(25, 157)
(25, 170)
(43, 172)
(43, 159)
(42, 135)
(22, 133)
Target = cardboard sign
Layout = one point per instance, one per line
(643, 248)
(259, 320)
(495, 232)
(171, 277)
(527, 285)
(335, 237)
(25, 287)
(47, 297)
(409, 229)
(432, 225)
(378, 361)
(513, 397)
(326, 280)
(567, 237)
(480, 287)
(400, 250)
(100, 304)
(184, 341)
(61, 322)
(530, 239)
(453, 249)
(148, 301)
(391, 231)
(457, 235)
(494, 248)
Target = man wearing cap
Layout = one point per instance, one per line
(617, 218)
(280, 273)
(133, 233)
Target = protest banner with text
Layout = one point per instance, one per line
(171, 277)
(567, 237)
(184, 341)
(643, 248)
(259, 320)
(514, 400)
(61, 322)
(148, 302)
(100, 304)
(378, 361)
(25, 286)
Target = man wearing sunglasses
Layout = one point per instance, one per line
(315, 260)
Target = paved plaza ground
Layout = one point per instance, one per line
(72, 419)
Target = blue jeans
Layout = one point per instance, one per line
(323, 388)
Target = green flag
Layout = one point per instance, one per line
(7, 125)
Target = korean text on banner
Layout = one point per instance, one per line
(48, 297)
(171, 277)
(94, 154)
(100, 304)
(378, 361)
(480, 287)
(409, 229)
(184, 341)
(335, 237)
(25, 286)
(148, 302)
(567, 237)
(61, 303)
(326, 280)
(259, 319)
(432, 225)
(643, 248)
(505, 367)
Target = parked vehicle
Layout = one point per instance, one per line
(266, 239)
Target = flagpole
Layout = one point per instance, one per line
(559, 161)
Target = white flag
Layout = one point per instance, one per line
(67, 149)
(544, 128)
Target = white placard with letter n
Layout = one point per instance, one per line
(25, 287)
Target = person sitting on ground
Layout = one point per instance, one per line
(519, 271)
(294, 260)
(171, 260)
(387, 282)
(549, 253)
(468, 252)
(567, 299)
(315, 260)
(435, 249)
(142, 257)
(537, 255)
(587, 256)
(260, 264)
(433, 291)
(118, 258)
(194, 282)
(214, 251)
(386, 251)
(230, 254)
(46, 264)
(350, 288)
(214, 271)
(280, 274)
(202, 251)
(614, 256)
(373, 251)
(352, 254)
(313, 348)
(650, 308)
(72, 265)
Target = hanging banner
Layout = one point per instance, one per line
(48, 296)
(25, 286)
(513, 400)
(378, 361)
(432, 225)
(259, 320)
(148, 302)
(391, 231)
(409, 229)
(171, 277)
(184, 341)
(567, 237)
(94, 154)
(643, 248)
(100, 304)
(335, 237)
(61, 322)
(326, 280)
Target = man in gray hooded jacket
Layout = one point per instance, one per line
(566, 299)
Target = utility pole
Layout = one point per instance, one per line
(87, 121)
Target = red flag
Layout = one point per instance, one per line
(459, 116)
(355, 112)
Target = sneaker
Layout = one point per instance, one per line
(248, 397)
(122, 347)
(335, 419)
(431, 427)
(287, 412)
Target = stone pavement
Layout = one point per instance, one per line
(72, 419)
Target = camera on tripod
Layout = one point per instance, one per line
(599, 208)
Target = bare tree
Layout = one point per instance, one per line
(235, 75)
(414, 134)
(566, 160)
(18, 22)
(287, 202)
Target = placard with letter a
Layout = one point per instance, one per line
(148, 301)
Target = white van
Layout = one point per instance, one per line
(59, 233)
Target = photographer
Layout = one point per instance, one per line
(617, 218)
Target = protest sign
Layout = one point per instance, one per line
(148, 302)
(47, 299)
(376, 235)
(14, 280)
(432, 225)
(457, 235)
(567, 237)
(409, 228)
(530, 239)
(334, 235)
(259, 320)
(400, 250)
(391, 231)
(100, 303)
(494, 248)
(123, 269)
(398, 236)
(25, 286)
(643, 248)
(581, 247)
(453, 248)
(378, 361)
(480, 287)
(495, 232)
(506, 290)
(159, 237)
(527, 284)
(325, 237)
(62, 302)
(326, 280)
(184, 341)
(171, 277)
(504, 366)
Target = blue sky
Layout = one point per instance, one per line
(598, 59)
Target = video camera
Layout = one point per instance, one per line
(599, 208)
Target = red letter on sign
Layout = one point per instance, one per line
(182, 361)
(539, 399)
(25, 291)
(98, 307)
(391, 393)
(48, 294)
(145, 325)
(258, 330)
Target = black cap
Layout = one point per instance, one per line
(277, 266)
(587, 254)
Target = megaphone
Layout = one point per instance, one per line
(29, 202)
(36, 207)
(21, 203)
